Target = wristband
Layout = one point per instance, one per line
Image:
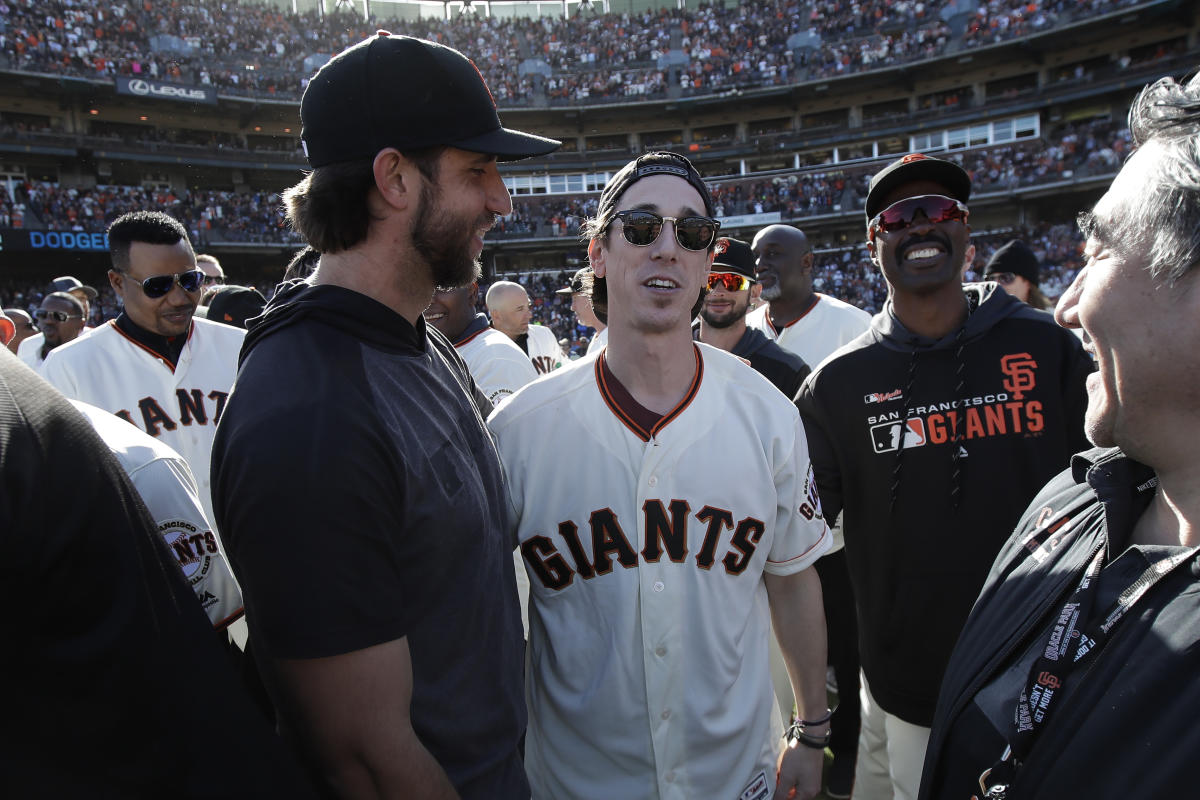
(805, 723)
(796, 735)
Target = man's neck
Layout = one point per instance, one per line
(724, 338)
(1173, 516)
(373, 269)
(931, 315)
(657, 369)
(785, 311)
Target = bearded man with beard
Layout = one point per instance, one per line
(359, 492)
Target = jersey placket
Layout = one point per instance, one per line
(661, 595)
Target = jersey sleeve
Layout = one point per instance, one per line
(168, 489)
(505, 370)
(801, 535)
(824, 458)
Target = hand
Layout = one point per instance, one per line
(799, 772)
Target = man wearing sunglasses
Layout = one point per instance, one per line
(61, 319)
(655, 568)
(155, 365)
(722, 321)
(356, 483)
(930, 435)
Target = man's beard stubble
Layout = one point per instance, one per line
(438, 239)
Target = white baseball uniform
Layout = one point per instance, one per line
(30, 349)
(828, 325)
(179, 404)
(645, 552)
(544, 351)
(498, 366)
(166, 485)
(598, 342)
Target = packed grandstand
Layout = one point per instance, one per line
(788, 108)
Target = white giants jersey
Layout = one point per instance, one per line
(645, 552)
(544, 351)
(177, 403)
(165, 483)
(825, 327)
(496, 364)
(598, 342)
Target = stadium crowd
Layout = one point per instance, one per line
(1095, 146)
(248, 49)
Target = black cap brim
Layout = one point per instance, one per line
(508, 145)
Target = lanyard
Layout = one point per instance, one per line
(1075, 636)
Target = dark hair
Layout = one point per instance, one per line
(65, 297)
(302, 264)
(147, 227)
(329, 207)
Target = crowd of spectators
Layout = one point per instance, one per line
(257, 50)
(1087, 147)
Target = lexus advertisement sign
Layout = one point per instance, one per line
(160, 90)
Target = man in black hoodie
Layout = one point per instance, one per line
(361, 491)
(932, 431)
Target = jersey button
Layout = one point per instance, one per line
(660, 651)
(658, 586)
(666, 713)
(653, 480)
(669, 777)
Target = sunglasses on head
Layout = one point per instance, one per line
(728, 281)
(43, 314)
(900, 215)
(1001, 277)
(159, 285)
(642, 228)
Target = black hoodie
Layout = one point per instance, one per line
(989, 413)
(360, 498)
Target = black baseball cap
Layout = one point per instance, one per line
(69, 283)
(233, 305)
(916, 167)
(645, 166)
(1014, 257)
(576, 286)
(734, 255)
(411, 94)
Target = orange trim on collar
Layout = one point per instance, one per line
(803, 314)
(627, 419)
(170, 364)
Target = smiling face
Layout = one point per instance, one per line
(1143, 334)
(923, 257)
(171, 314)
(452, 310)
(783, 263)
(652, 289)
(456, 210)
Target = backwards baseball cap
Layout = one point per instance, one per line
(406, 93)
(916, 167)
(576, 286)
(69, 283)
(734, 255)
(1014, 257)
(645, 166)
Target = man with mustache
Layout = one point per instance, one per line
(930, 434)
(358, 490)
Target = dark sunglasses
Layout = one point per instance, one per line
(641, 228)
(1001, 277)
(728, 281)
(900, 215)
(43, 314)
(159, 285)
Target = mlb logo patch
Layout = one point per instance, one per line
(757, 789)
(886, 435)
